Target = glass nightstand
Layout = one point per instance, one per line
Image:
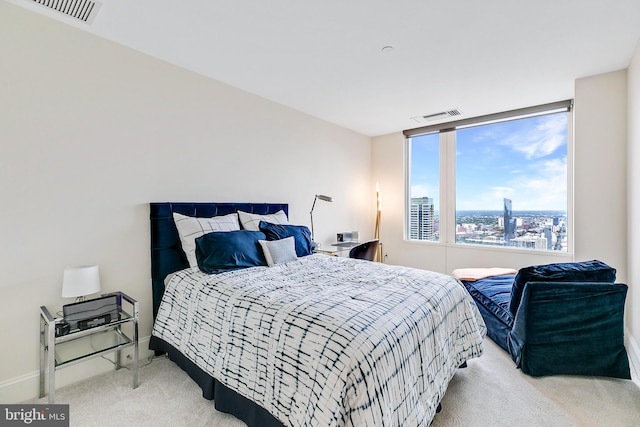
(78, 345)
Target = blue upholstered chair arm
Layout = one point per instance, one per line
(572, 328)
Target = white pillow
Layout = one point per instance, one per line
(251, 221)
(279, 251)
(190, 228)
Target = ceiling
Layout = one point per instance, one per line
(326, 58)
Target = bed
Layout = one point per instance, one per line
(317, 340)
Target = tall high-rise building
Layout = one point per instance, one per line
(548, 235)
(509, 222)
(421, 219)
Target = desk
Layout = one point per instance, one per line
(346, 245)
(337, 249)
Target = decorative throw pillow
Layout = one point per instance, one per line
(279, 251)
(586, 271)
(219, 252)
(190, 228)
(302, 235)
(251, 221)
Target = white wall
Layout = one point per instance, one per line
(633, 200)
(91, 132)
(600, 169)
(600, 205)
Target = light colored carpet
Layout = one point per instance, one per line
(489, 392)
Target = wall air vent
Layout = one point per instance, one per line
(84, 10)
(437, 116)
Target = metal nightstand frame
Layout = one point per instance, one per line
(50, 343)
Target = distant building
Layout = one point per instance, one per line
(422, 219)
(548, 232)
(529, 242)
(561, 235)
(509, 222)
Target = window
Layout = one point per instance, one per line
(424, 198)
(507, 181)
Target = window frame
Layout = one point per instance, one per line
(447, 173)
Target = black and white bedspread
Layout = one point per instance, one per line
(326, 341)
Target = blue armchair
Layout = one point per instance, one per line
(564, 318)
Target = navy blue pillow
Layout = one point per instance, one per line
(218, 252)
(302, 235)
(586, 271)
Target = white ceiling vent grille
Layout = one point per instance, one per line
(84, 10)
(437, 116)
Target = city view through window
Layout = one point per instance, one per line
(541, 230)
(510, 184)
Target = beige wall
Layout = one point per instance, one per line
(91, 132)
(600, 169)
(633, 190)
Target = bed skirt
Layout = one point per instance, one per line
(224, 399)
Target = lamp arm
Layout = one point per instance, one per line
(312, 238)
(311, 215)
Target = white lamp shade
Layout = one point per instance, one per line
(80, 281)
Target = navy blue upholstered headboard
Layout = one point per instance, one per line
(167, 255)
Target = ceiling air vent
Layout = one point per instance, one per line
(437, 116)
(84, 10)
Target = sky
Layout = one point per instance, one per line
(523, 160)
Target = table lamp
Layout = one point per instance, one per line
(80, 281)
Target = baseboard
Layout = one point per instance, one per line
(634, 356)
(25, 388)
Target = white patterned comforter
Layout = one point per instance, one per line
(326, 341)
